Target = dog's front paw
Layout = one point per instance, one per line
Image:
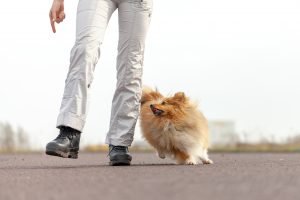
(207, 162)
(191, 162)
(161, 155)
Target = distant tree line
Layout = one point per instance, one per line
(12, 140)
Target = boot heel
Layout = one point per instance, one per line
(73, 155)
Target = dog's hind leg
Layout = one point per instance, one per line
(204, 157)
(183, 158)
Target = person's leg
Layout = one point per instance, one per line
(134, 19)
(92, 20)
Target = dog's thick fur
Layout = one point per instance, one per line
(174, 127)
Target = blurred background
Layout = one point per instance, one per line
(238, 59)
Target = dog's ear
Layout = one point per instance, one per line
(147, 89)
(146, 94)
(180, 96)
(145, 97)
(149, 95)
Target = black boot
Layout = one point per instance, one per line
(66, 144)
(119, 155)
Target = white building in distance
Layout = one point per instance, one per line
(222, 133)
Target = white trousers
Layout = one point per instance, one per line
(92, 19)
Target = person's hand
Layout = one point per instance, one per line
(57, 13)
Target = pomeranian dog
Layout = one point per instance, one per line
(174, 127)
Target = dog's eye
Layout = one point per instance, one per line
(163, 103)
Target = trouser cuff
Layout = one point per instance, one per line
(118, 142)
(70, 120)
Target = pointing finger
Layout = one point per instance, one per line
(52, 21)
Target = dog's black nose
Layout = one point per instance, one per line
(155, 110)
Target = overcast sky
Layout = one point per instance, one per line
(239, 59)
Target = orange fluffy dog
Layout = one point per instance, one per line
(174, 127)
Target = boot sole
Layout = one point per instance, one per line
(120, 161)
(73, 155)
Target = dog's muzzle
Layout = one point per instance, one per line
(156, 111)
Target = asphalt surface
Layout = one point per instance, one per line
(233, 176)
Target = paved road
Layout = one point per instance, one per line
(233, 176)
